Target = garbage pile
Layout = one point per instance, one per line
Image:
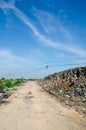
(69, 86)
(5, 94)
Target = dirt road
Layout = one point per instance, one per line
(31, 108)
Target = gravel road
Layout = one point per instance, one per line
(31, 108)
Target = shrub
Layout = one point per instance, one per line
(1, 86)
(8, 83)
(17, 82)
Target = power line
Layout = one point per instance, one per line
(47, 67)
(67, 64)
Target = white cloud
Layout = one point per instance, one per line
(26, 21)
(5, 53)
(52, 25)
(4, 5)
(61, 14)
(46, 40)
(58, 45)
(8, 57)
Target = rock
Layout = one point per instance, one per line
(4, 100)
(67, 96)
(6, 94)
(85, 94)
(60, 91)
(29, 93)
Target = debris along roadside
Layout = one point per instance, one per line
(69, 86)
(7, 87)
(5, 94)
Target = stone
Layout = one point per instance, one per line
(6, 94)
(60, 91)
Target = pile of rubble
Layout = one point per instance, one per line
(5, 94)
(69, 86)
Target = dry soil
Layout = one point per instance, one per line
(31, 108)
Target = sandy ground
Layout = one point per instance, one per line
(31, 108)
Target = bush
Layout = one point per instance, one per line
(1, 86)
(8, 83)
(17, 82)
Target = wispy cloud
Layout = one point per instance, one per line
(9, 21)
(57, 44)
(62, 15)
(53, 24)
(11, 65)
(9, 58)
(7, 5)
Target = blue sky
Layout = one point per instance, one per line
(36, 33)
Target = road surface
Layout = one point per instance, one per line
(31, 108)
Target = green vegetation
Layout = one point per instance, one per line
(1, 86)
(9, 83)
(32, 79)
(17, 82)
